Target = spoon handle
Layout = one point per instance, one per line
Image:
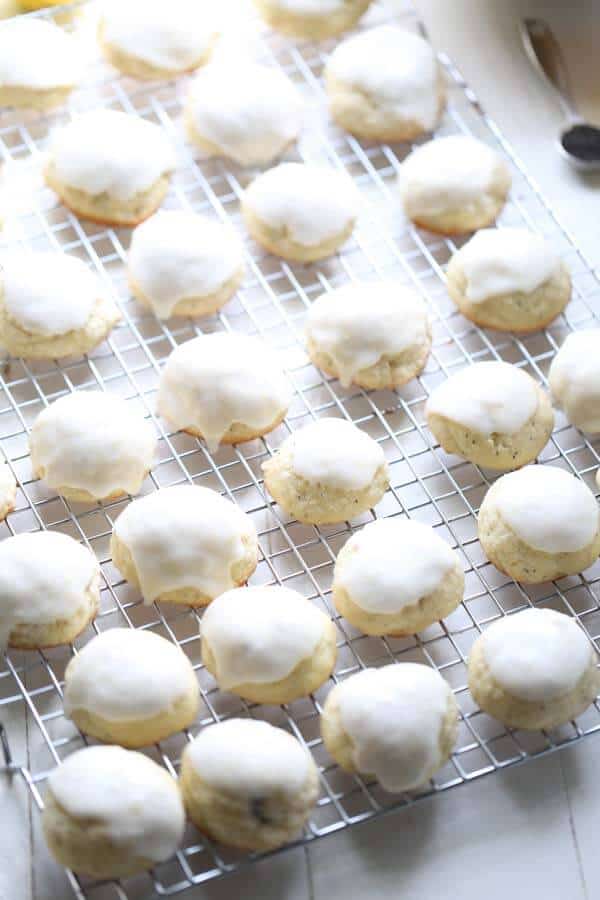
(545, 54)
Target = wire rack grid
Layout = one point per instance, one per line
(426, 484)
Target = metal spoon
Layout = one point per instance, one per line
(579, 141)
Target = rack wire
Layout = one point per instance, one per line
(426, 483)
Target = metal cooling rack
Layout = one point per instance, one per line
(426, 484)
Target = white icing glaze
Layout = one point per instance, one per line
(360, 323)
(131, 797)
(548, 508)
(536, 654)
(506, 260)
(393, 563)
(336, 453)
(311, 203)
(250, 112)
(48, 293)
(177, 255)
(251, 758)
(108, 151)
(395, 68)
(258, 635)
(38, 55)
(124, 674)
(92, 441)
(490, 397)
(172, 35)
(311, 7)
(184, 536)
(216, 380)
(574, 379)
(393, 717)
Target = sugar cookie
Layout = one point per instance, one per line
(312, 19)
(8, 490)
(574, 379)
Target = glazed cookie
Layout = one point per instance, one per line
(90, 446)
(574, 379)
(183, 264)
(152, 39)
(224, 387)
(397, 724)
(248, 784)
(40, 64)
(110, 167)
(110, 813)
(539, 524)
(385, 84)
(396, 576)
(49, 589)
(510, 279)
(374, 334)
(131, 687)
(533, 669)
(8, 490)
(52, 306)
(312, 19)
(248, 113)
(327, 472)
(184, 544)
(300, 211)
(491, 413)
(267, 644)
(453, 185)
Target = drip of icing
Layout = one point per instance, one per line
(548, 508)
(506, 260)
(358, 324)
(250, 112)
(574, 379)
(92, 441)
(38, 55)
(537, 654)
(258, 635)
(311, 203)
(216, 380)
(8, 485)
(393, 563)
(394, 717)
(249, 757)
(392, 66)
(489, 397)
(336, 453)
(127, 794)
(123, 674)
(108, 151)
(184, 536)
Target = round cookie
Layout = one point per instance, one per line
(151, 39)
(90, 446)
(183, 264)
(49, 589)
(453, 185)
(248, 784)
(131, 687)
(110, 813)
(224, 387)
(312, 19)
(300, 211)
(539, 524)
(8, 490)
(397, 724)
(533, 669)
(374, 334)
(385, 84)
(184, 544)
(574, 379)
(396, 576)
(40, 64)
(491, 413)
(326, 472)
(267, 644)
(51, 306)
(510, 279)
(248, 113)
(110, 167)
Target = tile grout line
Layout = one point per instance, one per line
(573, 829)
